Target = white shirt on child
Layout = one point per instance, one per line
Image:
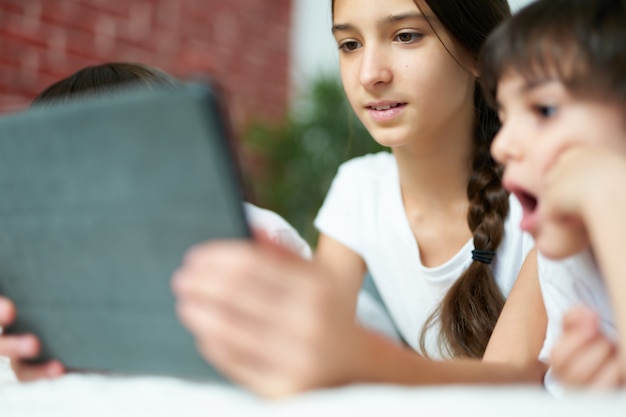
(277, 229)
(565, 284)
(364, 211)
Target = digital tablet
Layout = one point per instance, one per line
(99, 201)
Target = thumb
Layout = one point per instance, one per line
(7, 311)
(581, 318)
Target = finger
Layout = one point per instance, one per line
(31, 372)
(567, 347)
(19, 346)
(209, 320)
(263, 380)
(250, 342)
(243, 290)
(270, 363)
(224, 340)
(609, 376)
(586, 362)
(240, 265)
(7, 311)
(298, 303)
(215, 252)
(582, 318)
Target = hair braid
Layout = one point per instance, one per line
(470, 309)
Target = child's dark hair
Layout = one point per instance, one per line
(104, 80)
(581, 43)
(470, 309)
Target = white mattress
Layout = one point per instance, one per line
(98, 395)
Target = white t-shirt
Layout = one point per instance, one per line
(278, 229)
(364, 211)
(565, 284)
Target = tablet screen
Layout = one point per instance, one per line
(99, 201)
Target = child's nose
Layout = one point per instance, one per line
(504, 147)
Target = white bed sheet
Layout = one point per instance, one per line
(99, 395)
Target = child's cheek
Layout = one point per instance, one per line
(561, 238)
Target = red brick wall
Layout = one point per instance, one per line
(243, 43)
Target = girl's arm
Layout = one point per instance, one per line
(585, 187)
(345, 266)
(521, 328)
(276, 324)
(604, 213)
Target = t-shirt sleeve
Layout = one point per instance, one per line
(561, 290)
(278, 229)
(339, 217)
(556, 303)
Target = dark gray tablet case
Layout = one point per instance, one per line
(98, 203)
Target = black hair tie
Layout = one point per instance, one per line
(484, 256)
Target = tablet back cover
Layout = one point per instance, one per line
(98, 203)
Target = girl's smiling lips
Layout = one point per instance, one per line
(385, 111)
(529, 203)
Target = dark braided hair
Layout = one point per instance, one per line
(471, 307)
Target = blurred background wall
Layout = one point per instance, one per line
(276, 60)
(243, 43)
(266, 52)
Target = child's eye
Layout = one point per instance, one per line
(408, 37)
(349, 46)
(545, 112)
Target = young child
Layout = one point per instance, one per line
(557, 74)
(430, 221)
(106, 80)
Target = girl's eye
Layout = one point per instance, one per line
(545, 112)
(349, 46)
(408, 37)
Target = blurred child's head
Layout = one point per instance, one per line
(103, 81)
(556, 73)
(577, 42)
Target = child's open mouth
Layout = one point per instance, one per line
(529, 205)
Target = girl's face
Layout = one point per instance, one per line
(540, 120)
(398, 76)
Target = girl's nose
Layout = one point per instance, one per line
(375, 69)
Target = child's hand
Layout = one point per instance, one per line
(562, 200)
(20, 347)
(584, 356)
(578, 181)
(267, 318)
